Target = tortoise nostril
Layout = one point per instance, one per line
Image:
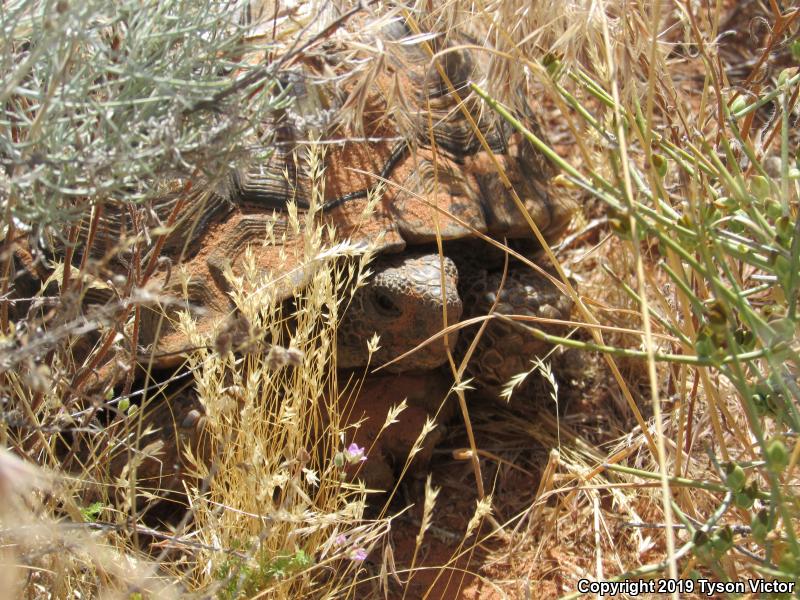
(386, 305)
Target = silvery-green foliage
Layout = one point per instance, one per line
(108, 100)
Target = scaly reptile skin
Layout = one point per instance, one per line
(410, 137)
(438, 180)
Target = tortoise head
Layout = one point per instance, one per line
(404, 302)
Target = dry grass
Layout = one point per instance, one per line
(661, 439)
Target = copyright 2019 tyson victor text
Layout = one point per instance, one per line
(635, 587)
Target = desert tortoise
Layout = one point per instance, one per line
(413, 138)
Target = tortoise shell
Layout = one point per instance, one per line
(407, 136)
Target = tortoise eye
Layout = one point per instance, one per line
(386, 305)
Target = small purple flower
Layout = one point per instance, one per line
(358, 555)
(355, 454)
(341, 539)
